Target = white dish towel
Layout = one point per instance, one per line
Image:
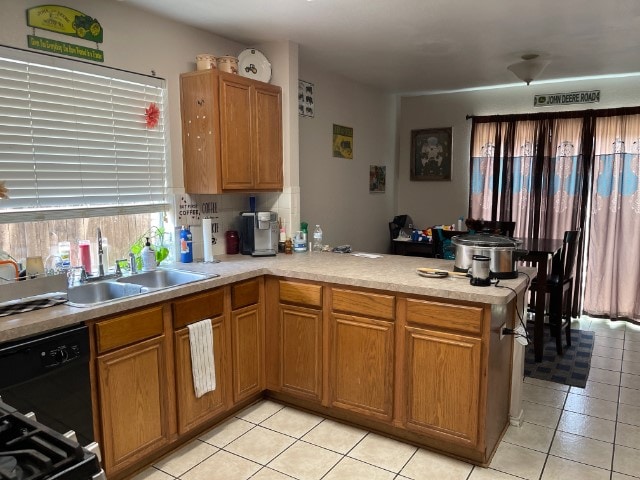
(202, 365)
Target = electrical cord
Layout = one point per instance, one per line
(509, 331)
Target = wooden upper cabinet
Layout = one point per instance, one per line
(199, 104)
(268, 137)
(231, 133)
(236, 133)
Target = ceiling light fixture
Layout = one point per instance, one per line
(529, 68)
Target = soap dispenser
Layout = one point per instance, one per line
(148, 257)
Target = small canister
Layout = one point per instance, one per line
(228, 64)
(205, 61)
(232, 242)
(480, 271)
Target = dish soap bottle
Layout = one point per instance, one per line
(186, 244)
(148, 257)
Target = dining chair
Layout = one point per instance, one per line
(442, 246)
(560, 289)
(495, 227)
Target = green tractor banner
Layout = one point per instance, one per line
(67, 21)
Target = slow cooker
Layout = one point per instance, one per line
(504, 253)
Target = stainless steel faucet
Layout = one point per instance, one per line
(132, 263)
(100, 252)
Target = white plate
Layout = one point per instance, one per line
(253, 64)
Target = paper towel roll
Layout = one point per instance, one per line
(206, 238)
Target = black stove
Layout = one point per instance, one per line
(30, 450)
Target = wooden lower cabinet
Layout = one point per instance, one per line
(443, 385)
(193, 411)
(301, 350)
(133, 391)
(362, 365)
(247, 340)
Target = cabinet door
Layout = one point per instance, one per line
(267, 159)
(236, 131)
(193, 411)
(134, 402)
(362, 365)
(200, 127)
(301, 347)
(443, 384)
(246, 341)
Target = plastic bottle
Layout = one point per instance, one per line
(300, 241)
(64, 251)
(84, 255)
(148, 257)
(317, 239)
(186, 244)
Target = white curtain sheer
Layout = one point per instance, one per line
(613, 274)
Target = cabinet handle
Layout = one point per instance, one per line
(200, 102)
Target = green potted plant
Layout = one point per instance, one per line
(156, 238)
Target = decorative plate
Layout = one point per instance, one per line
(253, 64)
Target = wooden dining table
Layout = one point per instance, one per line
(542, 252)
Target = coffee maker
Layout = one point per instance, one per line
(259, 234)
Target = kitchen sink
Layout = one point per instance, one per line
(93, 293)
(164, 278)
(101, 291)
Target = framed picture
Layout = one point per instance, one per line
(431, 154)
(342, 142)
(377, 178)
(306, 104)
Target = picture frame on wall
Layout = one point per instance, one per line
(306, 104)
(377, 178)
(431, 154)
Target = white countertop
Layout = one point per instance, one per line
(390, 272)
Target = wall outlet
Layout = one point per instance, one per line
(502, 327)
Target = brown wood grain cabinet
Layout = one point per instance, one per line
(443, 384)
(231, 133)
(362, 353)
(295, 334)
(247, 339)
(134, 388)
(194, 411)
(430, 371)
(450, 392)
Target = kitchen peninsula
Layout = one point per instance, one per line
(364, 340)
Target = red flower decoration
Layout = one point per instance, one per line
(152, 115)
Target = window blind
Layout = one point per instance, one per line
(74, 141)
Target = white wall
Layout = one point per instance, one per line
(334, 192)
(431, 203)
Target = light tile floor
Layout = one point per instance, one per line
(588, 434)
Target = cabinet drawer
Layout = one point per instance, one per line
(197, 307)
(245, 293)
(301, 294)
(363, 303)
(128, 329)
(443, 315)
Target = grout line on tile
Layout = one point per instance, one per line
(228, 443)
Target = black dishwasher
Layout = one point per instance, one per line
(49, 375)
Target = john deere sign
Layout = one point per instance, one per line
(67, 21)
(570, 98)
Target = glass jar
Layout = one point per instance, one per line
(232, 242)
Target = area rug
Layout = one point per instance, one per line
(570, 368)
